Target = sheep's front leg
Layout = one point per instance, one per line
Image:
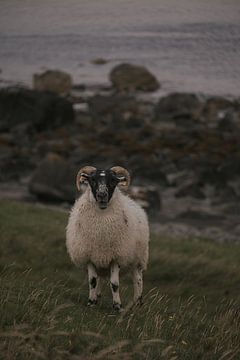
(92, 281)
(114, 283)
(137, 285)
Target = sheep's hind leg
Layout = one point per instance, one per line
(98, 287)
(92, 281)
(114, 283)
(137, 285)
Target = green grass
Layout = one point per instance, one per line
(191, 298)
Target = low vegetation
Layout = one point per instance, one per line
(191, 300)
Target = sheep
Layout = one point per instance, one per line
(108, 232)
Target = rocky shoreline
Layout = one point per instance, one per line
(183, 149)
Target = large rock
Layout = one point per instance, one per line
(53, 80)
(178, 106)
(128, 77)
(54, 179)
(37, 110)
(14, 163)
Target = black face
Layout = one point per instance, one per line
(103, 183)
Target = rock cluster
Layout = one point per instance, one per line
(182, 146)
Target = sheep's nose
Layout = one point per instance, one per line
(102, 196)
(102, 193)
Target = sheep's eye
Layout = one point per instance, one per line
(93, 181)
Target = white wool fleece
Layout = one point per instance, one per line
(119, 233)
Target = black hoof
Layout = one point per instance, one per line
(117, 306)
(140, 301)
(92, 302)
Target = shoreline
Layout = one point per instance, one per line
(105, 86)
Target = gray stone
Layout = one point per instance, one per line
(54, 180)
(37, 110)
(56, 81)
(128, 77)
(99, 61)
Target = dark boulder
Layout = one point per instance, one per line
(37, 110)
(128, 77)
(178, 106)
(116, 111)
(216, 108)
(54, 180)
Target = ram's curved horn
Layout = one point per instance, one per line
(122, 175)
(83, 174)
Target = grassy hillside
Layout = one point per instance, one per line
(191, 299)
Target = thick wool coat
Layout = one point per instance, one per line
(119, 233)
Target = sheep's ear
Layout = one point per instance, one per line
(122, 175)
(83, 175)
